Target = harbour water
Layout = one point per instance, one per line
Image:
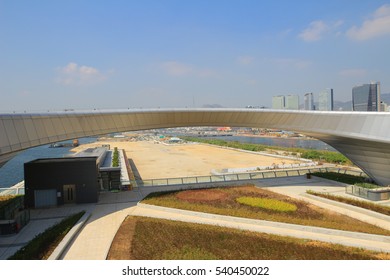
(12, 172)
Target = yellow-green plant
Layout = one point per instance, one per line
(267, 203)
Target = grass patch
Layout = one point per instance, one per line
(327, 156)
(155, 239)
(305, 214)
(318, 155)
(230, 144)
(267, 203)
(355, 202)
(44, 243)
(188, 252)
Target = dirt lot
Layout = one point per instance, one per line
(185, 160)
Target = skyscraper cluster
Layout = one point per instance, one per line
(288, 102)
(366, 97)
(291, 102)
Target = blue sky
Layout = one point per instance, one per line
(58, 55)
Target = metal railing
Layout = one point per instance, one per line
(234, 177)
(278, 173)
(370, 194)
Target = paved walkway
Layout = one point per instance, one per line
(41, 219)
(94, 241)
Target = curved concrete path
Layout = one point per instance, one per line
(94, 241)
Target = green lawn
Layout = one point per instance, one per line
(223, 201)
(155, 239)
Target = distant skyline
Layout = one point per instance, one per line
(57, 55)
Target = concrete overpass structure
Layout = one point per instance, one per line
(363, 137)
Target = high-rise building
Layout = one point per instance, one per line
(384, 107)
(278, 102)
(308, 101)
(325, 100)
(366, 97)
(291, 102)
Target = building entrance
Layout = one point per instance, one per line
(69, 193)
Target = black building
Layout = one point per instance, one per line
(51, 182)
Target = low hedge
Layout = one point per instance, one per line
(38, 248)
(115, 158)
(346, 179)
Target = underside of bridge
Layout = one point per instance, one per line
(363, 137)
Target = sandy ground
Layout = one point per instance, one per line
(185, 160)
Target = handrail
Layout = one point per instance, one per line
(220, 178)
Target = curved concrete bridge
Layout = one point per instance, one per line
(363, 137)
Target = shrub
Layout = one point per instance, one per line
(267, 203)
(115, 158)
(332, 157)
(367, 185)
(347, 179)
(8, 199)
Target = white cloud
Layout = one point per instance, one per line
(245, 60)
(315, 31)
(378, 25)
(318, 29)
(73, 74)
(354, 72)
